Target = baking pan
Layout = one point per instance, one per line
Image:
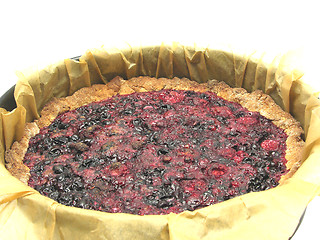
(8, 102)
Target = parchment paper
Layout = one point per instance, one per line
(271, 214)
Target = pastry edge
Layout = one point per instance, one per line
(255, 101)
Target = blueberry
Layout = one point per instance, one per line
(204, 96)
(243, 148)
(57, 169)
(105, 115)
(54, 195)
(272, 164)
(163, 151)
(166, 192)
(62, 125)
(32, 149)
(100, 109)
(226, 197)
(275, 154)
(101, 161)
(87, 163)
(263, 175)
(137, 121)
(65, 198)
(239, 114)
(247, 160)
(222, 120)
(264, 186)
(74, 137)
(197, 126)
(38, 169)
(47, 190)
(157, 172)
(88, 141)
(55, 152)
(164, 203)
(255, 184)
(151, 200)
(47, 141)
(85, 110)
(53, 126)
(255, 146)
(190, 93)
(60, 140)
(234, 133)
(60, 177)
(163, 108)
(128, 111)
(47, 162)
(219, 102)
(260, 165)
(83, 203)
(77, 185)
(193, 203)
(138, 128)
(154, 137)
(203, 149)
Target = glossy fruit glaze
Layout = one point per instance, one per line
(156, 153)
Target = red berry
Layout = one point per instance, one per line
(270, 145)
(247, 120)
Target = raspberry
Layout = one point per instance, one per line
(247, 120)
(172, 97)
(270, 145)
(239, 156)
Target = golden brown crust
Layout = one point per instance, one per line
(255, 101)
(14, 157)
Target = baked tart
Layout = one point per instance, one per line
(155, 146)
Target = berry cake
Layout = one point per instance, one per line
(155, 146)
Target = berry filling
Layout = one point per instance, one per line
(156, 153)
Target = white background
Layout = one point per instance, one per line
(36, 33)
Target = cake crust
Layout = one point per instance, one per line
(256, 101)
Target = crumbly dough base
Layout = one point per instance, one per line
(255, 101)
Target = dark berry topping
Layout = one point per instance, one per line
(156, 153)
